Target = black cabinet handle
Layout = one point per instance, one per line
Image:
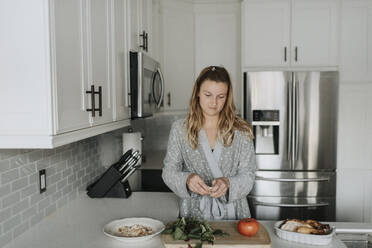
(92, 93)
(147, 42)
(296, 54)
(169, 99)
(100, 101)
(92, 99)
(285, 54)
(143, 35)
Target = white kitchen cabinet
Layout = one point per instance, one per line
(99, 47)
(315, 27)
(134, 25)
(155, 47)
(290, 33)
(120, 58)
(48, 63)
(212, 19)
(266, 33)
(141, 25)
(354, 146)
(354, 200)
(68, 64)
(178, 53)
(356, 41)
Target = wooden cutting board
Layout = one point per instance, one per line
(234, 240)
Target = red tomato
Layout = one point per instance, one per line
(248, 226)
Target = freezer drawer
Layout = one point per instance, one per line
(279, 208)
(294, 184)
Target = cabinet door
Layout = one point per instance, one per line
(134, 25)
(210, 21)
(70, 96)
(356, 41)
(266, 35)
(155, 47)
(120, 59)
(178, 57)
(315, 32)
(99, 57)
(145, 17)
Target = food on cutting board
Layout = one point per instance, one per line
(248, 226)
(136, 230)
(191, 228)
(305, 226)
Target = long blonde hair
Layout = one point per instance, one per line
(228, 120)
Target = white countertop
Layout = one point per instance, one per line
(79, 224)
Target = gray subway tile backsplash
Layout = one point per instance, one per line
(11, 199)
(69, 169)
(5, 214)
(9, 176)
(12, 222)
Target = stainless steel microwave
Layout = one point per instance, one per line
(146, 85)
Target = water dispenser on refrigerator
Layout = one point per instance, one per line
(266, 131)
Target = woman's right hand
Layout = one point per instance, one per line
(196, 184)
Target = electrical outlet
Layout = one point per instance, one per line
(42, 180)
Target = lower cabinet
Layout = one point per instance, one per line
(151, 180)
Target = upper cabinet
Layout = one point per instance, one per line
(210, 21)
(315, 26)
(120, 26)
(356, 41)
(290, 33)
(65, 79)
(141, 25)
(99, 45)
(178, 53)
(68, 69)
(266, 29)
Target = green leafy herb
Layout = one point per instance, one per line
(191, 228)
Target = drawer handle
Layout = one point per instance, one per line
(286, 205)
(320, 179)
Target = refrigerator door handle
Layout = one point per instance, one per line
(297, 118)
(293, 137)
(286, 205)
(320, 179)
(289, 114)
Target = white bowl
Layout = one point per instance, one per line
(303, 238)
(111, 229)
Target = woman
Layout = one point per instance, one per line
(210, 161)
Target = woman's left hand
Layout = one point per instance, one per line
(219, 187)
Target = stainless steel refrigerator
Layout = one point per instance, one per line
(294, 117)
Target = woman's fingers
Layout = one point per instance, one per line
(196, 184)
(204, 187)
(219, 192)
(219, 189)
